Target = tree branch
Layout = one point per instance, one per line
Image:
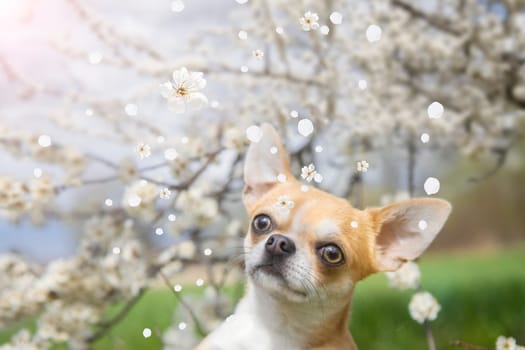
(106, 327)
(501, 154)
(198, 327)
(440, 23)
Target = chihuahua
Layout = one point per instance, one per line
(306, 250)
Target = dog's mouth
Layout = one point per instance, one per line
(269, 269)
(275, 271)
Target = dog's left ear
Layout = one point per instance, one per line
(405, 229)
(265, 161)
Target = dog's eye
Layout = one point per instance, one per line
(262, 224)
(331, 254)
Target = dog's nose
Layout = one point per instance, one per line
(279, 245)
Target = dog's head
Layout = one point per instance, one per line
(304, 244)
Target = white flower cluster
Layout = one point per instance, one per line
(424, 307)
(70, 295)
(181, 154)
(21, 143)
(140, 199)
(184, 250)
(450, 119)
(18, 299)
(198, 208)
(68, 322)
(23, 340)
(234, 138)
(406, 277)
(17, 198)
(504, 343)
(12, 195)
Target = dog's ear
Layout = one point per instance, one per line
(405, 229)
(265, 161)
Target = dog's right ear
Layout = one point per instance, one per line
(265, 165)
(405, 229)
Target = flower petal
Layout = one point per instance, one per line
(180, 76)
(197, 100)
(166, 89)
(177, 105)
(198, 81)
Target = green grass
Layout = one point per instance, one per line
(482, 295)
(154, 311)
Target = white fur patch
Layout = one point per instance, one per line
(327, 229)
(256, 325)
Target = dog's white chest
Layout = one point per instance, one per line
(248, 330)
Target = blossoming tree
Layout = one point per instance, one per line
(343, 80)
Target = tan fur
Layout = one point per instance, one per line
(320, 322)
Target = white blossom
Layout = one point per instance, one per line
(183, 93)
(197, 207)
(310, 21)
(362, 166)
(143, 150)
(23, 340)
(504, 343)
(139, 199)
(406, 277)
(41, 189)
(284, 204)
(258, 54)
(424, 307)
(165, 193)
(507, 343)
(308, 172)
(235, 138)
(233, 228)
(13, 195)
(186, 249)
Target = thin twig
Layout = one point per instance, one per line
(107, 326)
(501, 154)
(440, 23)
(198, 327)
(109, 35)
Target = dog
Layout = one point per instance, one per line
(305, 252)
